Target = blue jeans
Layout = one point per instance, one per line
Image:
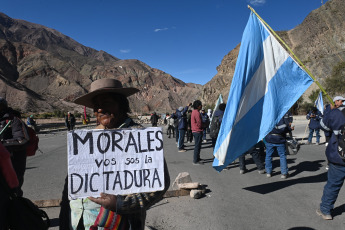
(282, 154)
(317, 133)
(181, 133)
(176, 132)
(204, 134)
(197, 147)
(335, 180)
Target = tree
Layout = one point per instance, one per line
(335, 84)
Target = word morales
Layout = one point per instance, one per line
(115, 180)
(134, 141)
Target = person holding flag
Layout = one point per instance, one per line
(266, 83)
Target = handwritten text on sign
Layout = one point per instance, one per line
(118, 162)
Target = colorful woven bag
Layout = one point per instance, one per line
(109, 220)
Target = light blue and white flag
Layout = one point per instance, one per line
(218, 102)
(266, 83)
(319, 103)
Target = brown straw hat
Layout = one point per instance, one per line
(102, 86)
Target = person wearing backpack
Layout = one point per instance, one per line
(216, 122)
(14, 136)
(181, 115)
(334, 122)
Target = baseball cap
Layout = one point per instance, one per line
(338, 98)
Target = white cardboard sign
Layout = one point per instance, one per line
(119, 162)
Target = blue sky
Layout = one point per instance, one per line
(185, 38)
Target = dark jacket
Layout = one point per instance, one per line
(70, 122)
(154, 119)
(333, 122)
(181, 117)
(314, 121)
(288, 117)
(278, 133)
(15, 136)
(216, 121)
(327, 110)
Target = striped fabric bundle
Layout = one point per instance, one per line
(109, 220)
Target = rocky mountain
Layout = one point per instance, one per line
(43, 70)
(319, 42)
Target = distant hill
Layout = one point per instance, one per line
(43, 70)
(319, 42)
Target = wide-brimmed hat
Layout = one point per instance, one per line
(102, 86)
(338, 98)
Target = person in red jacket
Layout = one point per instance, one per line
(197, 129)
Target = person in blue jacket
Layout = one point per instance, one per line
(276, 139)
(314, 116)
(333, 122)
(182, 125)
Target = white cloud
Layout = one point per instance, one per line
(125, 51)
(257, 2)
(162, 29)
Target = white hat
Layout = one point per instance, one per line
(338, 98)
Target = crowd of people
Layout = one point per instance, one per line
(111, 107)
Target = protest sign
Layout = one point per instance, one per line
(119, 162)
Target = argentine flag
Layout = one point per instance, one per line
(319, 103)
(266, 83)
(218, 102)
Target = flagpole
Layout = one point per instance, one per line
(292, 53)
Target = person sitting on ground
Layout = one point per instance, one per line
(111, 107)
(314, 116)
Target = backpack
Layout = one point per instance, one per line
(32, 144)
(341, 141)
(214, 130)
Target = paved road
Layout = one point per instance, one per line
(233, 201)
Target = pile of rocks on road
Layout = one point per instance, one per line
(183, 182)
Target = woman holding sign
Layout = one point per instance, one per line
(111, 107)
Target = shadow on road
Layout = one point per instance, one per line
(275, 186)
(338, 210)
